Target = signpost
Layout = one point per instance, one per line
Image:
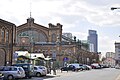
(65, 59)
(54, 56)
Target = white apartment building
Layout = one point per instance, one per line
(110, 59)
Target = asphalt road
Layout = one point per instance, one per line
(95, 74)
(100, 74)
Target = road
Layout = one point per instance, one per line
(95, 74)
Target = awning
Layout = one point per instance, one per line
(21, 53)
(37, 55)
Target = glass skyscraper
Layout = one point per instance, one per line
(93, 39)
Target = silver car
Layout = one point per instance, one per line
(40, 71)
(12, 72)
(1, 76)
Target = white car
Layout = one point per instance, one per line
(117, 67)
(40, 71)
(12, 72)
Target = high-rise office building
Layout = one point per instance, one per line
(93, 39)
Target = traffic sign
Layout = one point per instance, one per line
(65, 59)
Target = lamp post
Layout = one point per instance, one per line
(113, 8)
(54, 59)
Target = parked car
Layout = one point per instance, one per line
(12, 72)
(28, 68)
(1, 76)
(96, 66)
(82, 67)
(117, 67)
(68, 68)
(87, 67)
(40, 71)
(105, 66)
(77, 66)
(72, 67)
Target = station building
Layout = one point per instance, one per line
(46, 40)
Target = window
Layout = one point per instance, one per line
(2, 35)
(7, 39)
(15, 69)
(35, 68)
(33, 36)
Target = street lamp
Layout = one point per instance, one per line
(113, 8)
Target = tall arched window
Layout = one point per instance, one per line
(2, 35)
(7, 36)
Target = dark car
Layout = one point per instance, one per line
(68, 68)
(28, 68)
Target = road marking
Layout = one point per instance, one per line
(118, 78)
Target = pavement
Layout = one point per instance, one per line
(59, 73)
(65, 73)
(118, 78)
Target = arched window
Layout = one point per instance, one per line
(7, 36)
(34, 36)
(2, 34)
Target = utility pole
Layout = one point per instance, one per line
(54, 59)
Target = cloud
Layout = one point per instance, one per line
(106, 44)
(80, 35)
(76, 16)
(98, 15)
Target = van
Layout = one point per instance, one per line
(28, 68)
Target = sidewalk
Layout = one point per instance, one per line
(118, 78)
(59, 73)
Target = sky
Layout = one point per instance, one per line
(76, 16)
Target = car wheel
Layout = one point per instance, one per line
(38, 74)
(10, 77)
(81, 69)
(73, 69)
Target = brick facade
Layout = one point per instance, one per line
(7, 39)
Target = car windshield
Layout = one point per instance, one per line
(20, 69)
(41, 67)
